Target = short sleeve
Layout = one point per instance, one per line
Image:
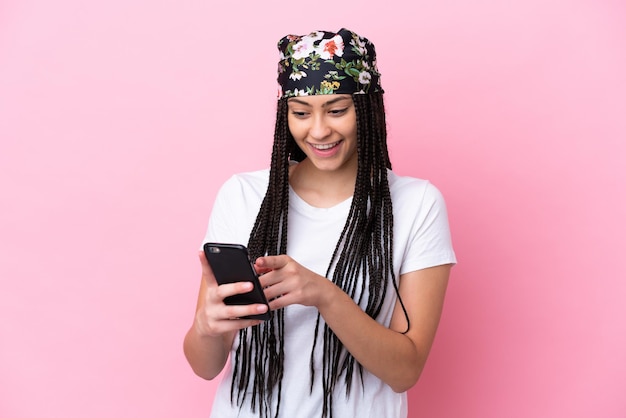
(235, 208)
(428, 242)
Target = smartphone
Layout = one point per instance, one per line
(231, 263)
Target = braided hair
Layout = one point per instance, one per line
(364, 249)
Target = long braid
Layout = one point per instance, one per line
(261, 348)
(364, 249)
(365, 246)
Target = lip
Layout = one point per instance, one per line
(325, 150)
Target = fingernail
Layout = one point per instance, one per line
(261, 308)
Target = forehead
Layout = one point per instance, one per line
(321, 100)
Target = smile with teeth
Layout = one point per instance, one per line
(323, 147)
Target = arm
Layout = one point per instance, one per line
(397, 359)
(208, 341)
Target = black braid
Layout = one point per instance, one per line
(263, 350)
(364, 249)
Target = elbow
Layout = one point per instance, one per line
(201, 367)
(401, 387)
(407, 380)
(204, 374)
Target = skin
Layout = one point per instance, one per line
(323, 179)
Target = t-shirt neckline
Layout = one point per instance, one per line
(300, 204)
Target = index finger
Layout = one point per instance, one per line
(271, 262)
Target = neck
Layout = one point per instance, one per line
(322, 188)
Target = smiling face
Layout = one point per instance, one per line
(324, 127)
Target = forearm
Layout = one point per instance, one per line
(207, 355)
(388, 354)
(396, 358)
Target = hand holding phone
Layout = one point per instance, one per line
(230, 264)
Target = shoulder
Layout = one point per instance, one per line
(236, 206)
(412, 190)
(250, 179)
(244, 183)
(421, 229)
(243, 188)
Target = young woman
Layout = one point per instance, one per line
(353, 258)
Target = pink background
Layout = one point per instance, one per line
(119, 120)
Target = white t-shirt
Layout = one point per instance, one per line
(421, 239)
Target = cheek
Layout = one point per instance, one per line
(294, 128)
(350, 127)
(350, 131)
(353, 132)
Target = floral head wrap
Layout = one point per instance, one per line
(327, 63)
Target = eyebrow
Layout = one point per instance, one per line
(328, 103)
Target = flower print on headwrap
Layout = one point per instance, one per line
(304, 46)
(328, 48)
(327, 63)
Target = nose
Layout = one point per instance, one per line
(320, 128)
